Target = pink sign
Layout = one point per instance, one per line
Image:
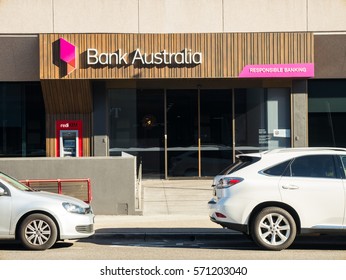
(68, 55)
(296, 70)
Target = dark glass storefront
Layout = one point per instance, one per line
(199, 126)
(22, 120)
(196, 132)
(327, 113)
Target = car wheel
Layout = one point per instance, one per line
(38, 232)
(274, 228)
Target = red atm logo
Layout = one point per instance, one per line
(64, 125)
(71, 125)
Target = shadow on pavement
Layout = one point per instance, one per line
(199, 238)
(11, 245)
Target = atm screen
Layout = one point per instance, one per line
(69, 143)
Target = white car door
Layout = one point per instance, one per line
(313, 187)
(5, 210)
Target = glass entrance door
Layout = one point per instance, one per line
(199, 132)
(136, 119)
(182, 133)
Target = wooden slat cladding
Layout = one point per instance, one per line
(67, 96)
(224, 54)
(67, 100)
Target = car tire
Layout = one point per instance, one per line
(274, 229)
(38, 232)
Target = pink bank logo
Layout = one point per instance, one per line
(68, 55)
(294, 70)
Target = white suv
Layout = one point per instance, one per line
(274, 195)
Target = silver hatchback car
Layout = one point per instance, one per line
(39, 219)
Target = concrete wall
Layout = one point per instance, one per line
(113, 179)
(330, 58)
(100, 119)
(168, 16)
(19, 58)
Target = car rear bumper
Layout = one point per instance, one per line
(215, 213)
(233, 226)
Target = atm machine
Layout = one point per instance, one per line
(69, 143)
(69, 138)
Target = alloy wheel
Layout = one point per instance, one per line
(274, 229)
(38, 232)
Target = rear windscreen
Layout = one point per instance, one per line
(240, 163)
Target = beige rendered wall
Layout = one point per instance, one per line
(180, 16)
(95, 16)
(170, 16)
(265, 15)
(327, 15)
(26, 16)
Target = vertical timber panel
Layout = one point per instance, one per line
(67, 100)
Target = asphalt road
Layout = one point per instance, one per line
(237, 247)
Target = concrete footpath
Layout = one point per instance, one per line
(171, 209)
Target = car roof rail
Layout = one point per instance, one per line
(303, 149)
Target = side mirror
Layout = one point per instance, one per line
(2, 191)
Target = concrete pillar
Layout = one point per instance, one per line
(100, 120)
(299, 113)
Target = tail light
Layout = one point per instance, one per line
(220, 215)
(229, 182)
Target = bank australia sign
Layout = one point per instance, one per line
(138, 57)
(176, 56)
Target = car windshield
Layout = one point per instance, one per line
(14, 183)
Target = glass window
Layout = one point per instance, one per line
(216, 130)
(327, 113)
(182, 133)
(197, 127)
(343, 160)
(317, 166)
(22, 120)
(136, 119)
(262, 119)
(278, 169)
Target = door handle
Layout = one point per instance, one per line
(290, 187)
